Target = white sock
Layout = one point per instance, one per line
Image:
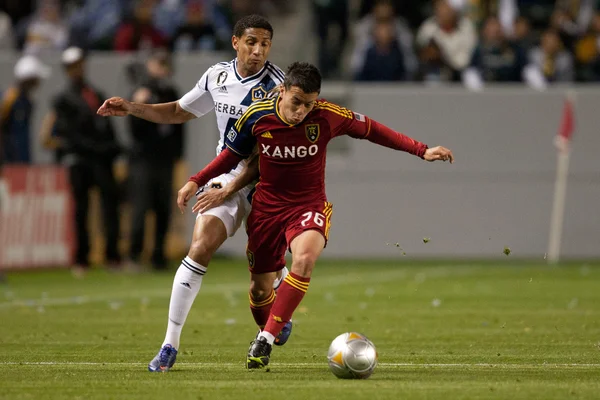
(277, 282)
(270, 338)
(186, 286)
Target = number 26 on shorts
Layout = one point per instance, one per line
(318, 218)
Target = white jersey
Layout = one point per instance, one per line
(222, 88)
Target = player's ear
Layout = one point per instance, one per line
(234, 42)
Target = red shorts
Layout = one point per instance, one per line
(270, 234)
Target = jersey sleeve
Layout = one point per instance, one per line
(346, 122)
(343, 121)
(198, 101)
(240, 139)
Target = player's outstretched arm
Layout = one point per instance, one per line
(224, 162)
(215, 197)
(163, 113)
(384, 136)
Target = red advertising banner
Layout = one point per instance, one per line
(36, 223)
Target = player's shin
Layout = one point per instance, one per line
(289, 296)
(186, 286)
(261, 308)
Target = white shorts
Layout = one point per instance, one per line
(233, 211)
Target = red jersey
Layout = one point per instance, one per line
(292, 157)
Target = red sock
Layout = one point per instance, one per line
(289, 295)
(261, 309)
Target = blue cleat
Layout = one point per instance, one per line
(164, 360)
(284, 335)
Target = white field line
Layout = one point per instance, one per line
(317, 365)
(320, 282)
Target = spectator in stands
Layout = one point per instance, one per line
(328, 14)
(47, 31)
(480, 10)
(413, 12)
(198, 33)
(384, 60)
(383, 13)
(446, 42)
(169, 15)
(522, 35)
(537, 12)
(571, 19)
(139, 33)
(495, 58)
(90, 147)
(587, 52)
(93, 25)
(155, 150)
(551, 60)
(16, 109)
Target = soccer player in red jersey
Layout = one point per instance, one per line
(289, 208)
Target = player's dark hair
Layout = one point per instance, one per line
(251, 21)
(303, 75)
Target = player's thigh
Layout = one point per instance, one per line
(234, 210)
(266, 242)
(314, 217)
(209, 234)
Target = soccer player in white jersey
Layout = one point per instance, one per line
(228, 88)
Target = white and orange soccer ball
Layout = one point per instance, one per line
(352, 356)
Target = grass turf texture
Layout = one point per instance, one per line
(443, 330)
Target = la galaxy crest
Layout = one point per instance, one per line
(221, 78)
(312, 132)
(259, 93)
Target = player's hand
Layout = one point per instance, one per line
(185, 194)
(438, 153)
(114, 107)
(210, 199)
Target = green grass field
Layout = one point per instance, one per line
(468, 330)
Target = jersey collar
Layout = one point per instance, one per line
(250, 78)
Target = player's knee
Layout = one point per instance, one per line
(200, 252)
(260, 291)
(303, 263)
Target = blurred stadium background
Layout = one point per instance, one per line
(498, 194)
(493, 92)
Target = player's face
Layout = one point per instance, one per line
(252, 50)
(295, 104)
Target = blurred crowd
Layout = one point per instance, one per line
(472, 41)
(36, 26)
(469, 41)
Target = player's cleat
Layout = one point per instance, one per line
(258, 353)
(164, 360)
(284, 335)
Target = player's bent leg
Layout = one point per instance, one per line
(209, 235)
(262, 296)
(306, 248)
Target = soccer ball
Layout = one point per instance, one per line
(352, 356)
